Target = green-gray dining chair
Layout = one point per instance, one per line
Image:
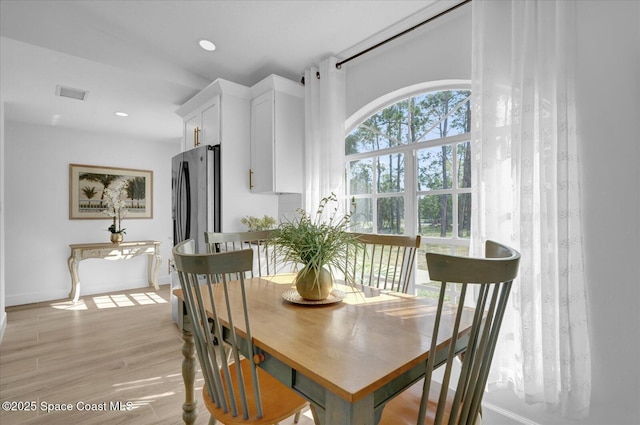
(236, 391)
(264, 260)
(488, 282)
(383, 261)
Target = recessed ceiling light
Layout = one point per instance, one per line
(207, 45)
(122, 114)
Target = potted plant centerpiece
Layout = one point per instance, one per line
(116, 208)
(320, 243)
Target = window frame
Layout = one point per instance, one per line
(411, 193)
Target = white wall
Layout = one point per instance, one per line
(37, 225)
(608, 115)
(440, 50)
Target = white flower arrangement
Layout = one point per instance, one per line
(116, 206)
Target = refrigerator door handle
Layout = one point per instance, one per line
(177, 216)
(187, 192)
(177, 228)
(183, 224)
(177, 231)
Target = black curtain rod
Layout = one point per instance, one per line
(451, 9)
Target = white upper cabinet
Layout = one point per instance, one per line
(221, 114)
(277, 136)
(202, 126)
(205, 114)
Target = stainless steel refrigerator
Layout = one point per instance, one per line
(195, 205)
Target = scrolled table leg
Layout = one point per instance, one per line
(74, 294)
(153, 265)
(156, 268)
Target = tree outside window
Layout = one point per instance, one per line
(409, 171)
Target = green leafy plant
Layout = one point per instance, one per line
(256, 224)
(316, 241)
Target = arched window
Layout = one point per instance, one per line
(408, 170)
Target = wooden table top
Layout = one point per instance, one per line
(351, 348)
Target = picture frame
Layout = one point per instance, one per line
(88, 182)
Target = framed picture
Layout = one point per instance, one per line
(87, 185)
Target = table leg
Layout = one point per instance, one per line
(340, 411)
(189, 408)
(75, 282)
(152, 269)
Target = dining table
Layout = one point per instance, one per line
(347, 355)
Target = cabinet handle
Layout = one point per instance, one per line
(196, 137)
(250, 179)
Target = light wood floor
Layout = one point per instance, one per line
(109, 348)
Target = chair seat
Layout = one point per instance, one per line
(403, 409)
(278, 401)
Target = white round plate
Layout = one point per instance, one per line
(292, 295)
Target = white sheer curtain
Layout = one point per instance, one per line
(527, 194)
(324, 132)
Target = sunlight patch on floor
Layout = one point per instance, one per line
(139, 381)
(122, 300)
(104, 302)
(144, 299)
(155, 297)
(130, 300)
(69, 305)
(153, 397)
(111, 301)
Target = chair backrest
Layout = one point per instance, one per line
(492, 278)
(199, 299)
(384, 261)
(264, 259)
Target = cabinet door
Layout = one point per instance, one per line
(262, 136)
(210, 123)
(190, 124)
(206, 120)
(288, 143)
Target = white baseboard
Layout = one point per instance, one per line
(508, 414)
(56, 294)
(3, 324)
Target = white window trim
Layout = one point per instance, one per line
(410, 188)
(395, 96)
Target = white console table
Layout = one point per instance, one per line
(111, 251)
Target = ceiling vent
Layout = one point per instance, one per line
(71, 92)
